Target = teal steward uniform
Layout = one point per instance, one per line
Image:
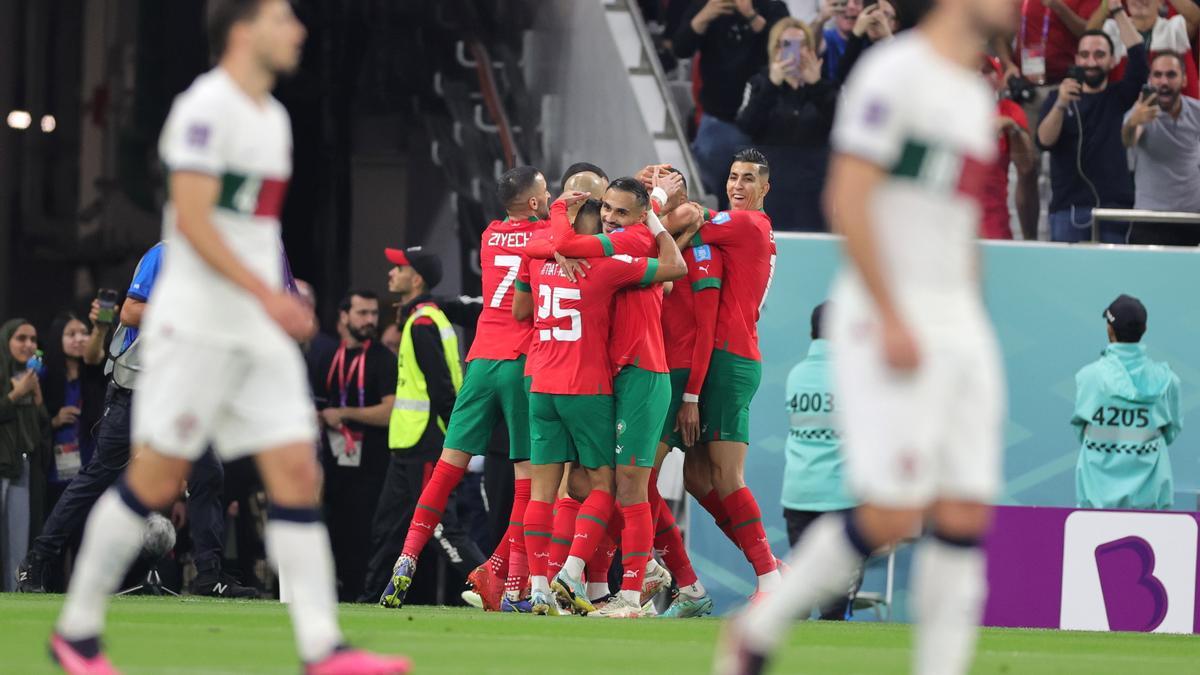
(813, 477)
(1126, 414)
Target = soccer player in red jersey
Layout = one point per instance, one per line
(572, 400)
(744, 236)
(494, 387)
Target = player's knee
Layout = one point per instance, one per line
(727, 478)
(578, 486)
(881, 527)
(456, 458)
(631, 492)
(297, 483)
(961, 520)
(156, 480)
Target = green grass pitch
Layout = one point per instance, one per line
(169, 636)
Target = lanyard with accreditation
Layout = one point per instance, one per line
(345, 443)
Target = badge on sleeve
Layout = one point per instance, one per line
(197, 135)
(702, 253)
(722, 217)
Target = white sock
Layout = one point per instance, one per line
(111, 540)
(573, 567)
(949, 587)
(823, 564)
(597, 590)
(632, 597)
(539, 584)
(696, 590)
(769, 582)
(299, 548)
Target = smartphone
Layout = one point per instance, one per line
(108, 304)
(1077, 73)
(35, 363)
(789, 50)
(1149, 90)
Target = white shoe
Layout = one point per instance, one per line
(619, 608)
(654, 582)
(473, 599)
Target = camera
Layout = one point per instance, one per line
(1021, 90)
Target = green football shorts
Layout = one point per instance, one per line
(729, 387)
(491, 390)
(642, 399)
(670, 435)
(571, 427)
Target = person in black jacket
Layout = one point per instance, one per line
(788, 114)
(876, 23)
(731, 37)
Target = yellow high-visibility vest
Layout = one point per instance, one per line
(410, 413)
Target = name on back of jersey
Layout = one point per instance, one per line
(509, 239)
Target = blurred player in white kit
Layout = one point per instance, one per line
(917, 373)
(221, 361)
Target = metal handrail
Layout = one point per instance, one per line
(1140, 216)
(660, 80)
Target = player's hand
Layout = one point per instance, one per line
(1145, 110)
(572, 267)
(670, 182)
(646, 175)
(24, 384)
(67, 415)
(1068, 92)
(687, 423)
(179, 515)
(573, 197)
(332, 417)
(292, 315)
(900, 347)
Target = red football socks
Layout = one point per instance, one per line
(591, 524)
(712, 503)
(637, 542)
(518, 564)
(669, 543)
(538, 523)
(565, 512)
(601, 561)
(430, 506)
(748, 528)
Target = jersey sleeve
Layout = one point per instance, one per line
(193, 137)
(522, 282)
(870, 117)
(725, 229)
(704, 274)
(621, 270)
(705, 267)
(145, 274)
(632, 242)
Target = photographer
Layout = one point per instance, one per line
(1163, 130)
(1081, 128)
(788, 114)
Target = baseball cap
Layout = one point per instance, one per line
(428, 265)
(1127, 316)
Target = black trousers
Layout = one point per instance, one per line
(205, 511)
(389, 527)
(797, 523)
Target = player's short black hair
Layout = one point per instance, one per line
(818, 321)
(633, 186)
(753, 156)
(588, 209)
(1098, 33)
(581, 167)
(515, 182)
(222, 15)
(347, 300)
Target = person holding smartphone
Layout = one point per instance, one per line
(877, 22)
(787, 113)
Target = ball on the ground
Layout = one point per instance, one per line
(159, 537)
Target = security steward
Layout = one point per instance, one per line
(429, 374)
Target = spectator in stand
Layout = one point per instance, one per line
(73, 389)
(731, 37)
(874, 24)
(1016, 148)
(1081, 128)
(1163, 130)
(1160, 34)
(834, 38)
(356, 388)
(788, 113)
(24, 446)
(1051, 28)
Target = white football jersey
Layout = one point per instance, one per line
(930, 124)
(215, 128)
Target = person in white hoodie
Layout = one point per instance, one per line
(1126, 414)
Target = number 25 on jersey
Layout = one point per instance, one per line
(550, 304)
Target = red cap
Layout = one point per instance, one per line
(396, 256)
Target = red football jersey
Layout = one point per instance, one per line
(637, 337)
(679, 315)
(569, 352)
(498, 335)
(746, 239)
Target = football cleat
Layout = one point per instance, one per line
(619, 608)
(472, 598)
(543, 604)
(517, 607)
(686, 607)
(783, 567)
(489, 587)
(655, 582)
(572, 593)
(397, 588)
(603, 600)
(356, 662)
(69, 658)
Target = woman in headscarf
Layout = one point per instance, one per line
(24, 441)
